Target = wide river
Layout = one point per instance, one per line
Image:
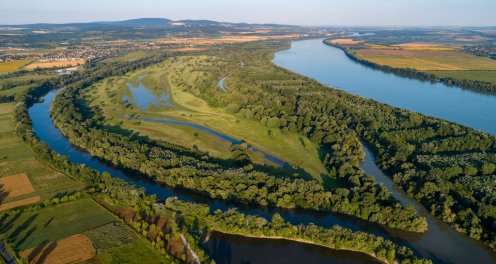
(440, 243)
(329, 65)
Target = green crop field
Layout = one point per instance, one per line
(172, 76)
(16, 158)
(31, 229)
(46, 182)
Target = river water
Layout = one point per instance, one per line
(329, 65)
(440, 243)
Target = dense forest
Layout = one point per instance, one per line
(476, 85)
(179, 167)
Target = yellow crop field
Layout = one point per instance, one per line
(10, 66)
(51, 64)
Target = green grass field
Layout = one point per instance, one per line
(31, 229)
(10, 66)
(174, 75)
(486, 76)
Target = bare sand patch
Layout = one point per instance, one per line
(346, 41)
(67, 250)
(50, 64)
(11, 205)
(15, 185)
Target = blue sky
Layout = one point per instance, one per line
(301, 12)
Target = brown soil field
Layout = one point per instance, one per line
(50, 64)
(346, 41)
(11, 205)
(16, 185)
(71, 249)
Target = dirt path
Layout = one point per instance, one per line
(186, 244)
(6, 254)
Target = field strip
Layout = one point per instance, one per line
(71, 249)
(15, 185)
(19, 203)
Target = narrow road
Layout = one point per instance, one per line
(188, 248)
(6, 254)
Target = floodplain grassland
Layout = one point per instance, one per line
(14, 65)
(174, 76)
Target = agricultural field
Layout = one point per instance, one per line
(11, 66)
(23, 178)
(51, 64)
(427, 59)
(172, 78)
(34, 228)
(442, 60)
(54, 234)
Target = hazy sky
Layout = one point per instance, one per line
(301, 12)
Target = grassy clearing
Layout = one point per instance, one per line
(486, 76)
(32, 229)
(173, 76)
(11, 66)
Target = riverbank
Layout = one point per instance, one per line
(479, 86)
(303, 241)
